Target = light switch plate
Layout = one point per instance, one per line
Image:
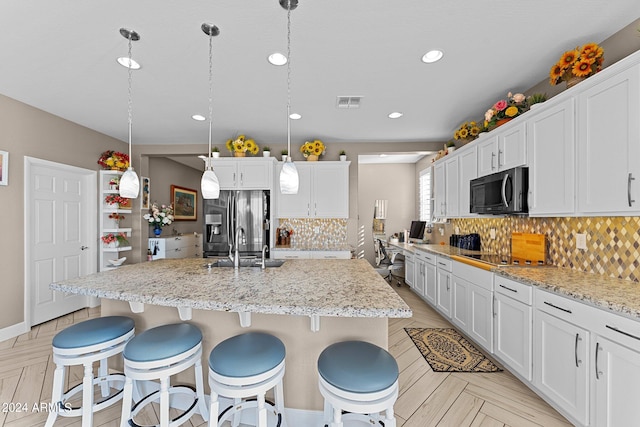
(581, 241)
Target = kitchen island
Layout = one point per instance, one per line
(308, 304)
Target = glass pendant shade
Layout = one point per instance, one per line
(289, 181)
(209, 185)
(129, 184)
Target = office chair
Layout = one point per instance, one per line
(385, 265)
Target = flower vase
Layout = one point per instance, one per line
(239, 154)
(574, 80)
(312, 158)
(157, 230)
(503, 121)
(215, 154)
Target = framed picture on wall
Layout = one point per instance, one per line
(145, 184)
(4, 168)
(185, 203)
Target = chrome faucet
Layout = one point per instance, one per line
(264, 251)
(236, 257)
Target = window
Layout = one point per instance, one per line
(425, 199)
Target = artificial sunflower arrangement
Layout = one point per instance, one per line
(114, 160)
(467, 130)
(242, 145)
(312, 148)
(505, 109)
(580, 62)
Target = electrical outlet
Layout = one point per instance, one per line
(581, 241)
(492, 233)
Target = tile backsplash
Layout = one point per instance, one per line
(612, 242)
(316, 233)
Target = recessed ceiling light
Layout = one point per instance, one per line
(295, 116)
(277, 59)
(198, 117)
(432, 56)
(395, 115)
(124, 61)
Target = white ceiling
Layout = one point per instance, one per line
(60, 56)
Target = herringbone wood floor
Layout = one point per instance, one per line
(426, 398)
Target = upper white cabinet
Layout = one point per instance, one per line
(468, 165)
(609, 144)
(244, 173)
(503, 148)
(551, 155)
(323, 191)
(439, 188)
(452, 187)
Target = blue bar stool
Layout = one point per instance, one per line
(84, 343)
(156, 354)
(361, 379)
(244, 366)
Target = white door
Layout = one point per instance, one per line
(60, 235)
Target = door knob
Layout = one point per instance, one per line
(82, 248)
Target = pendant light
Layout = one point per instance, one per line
(129, 181)
(209, 183)
(289, 180)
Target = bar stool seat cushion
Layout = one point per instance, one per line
(93, 332)
(162, 342)
(246, 355)
(357, 367)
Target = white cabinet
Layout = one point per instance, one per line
(503, 148)
(419, 283)
(615, 375)
(472, 303)
(609, 145)
(323, 191)
(551, 154)
(114, 222)
(294, 254)
(513, 325)
(425, 276)
(452, 187)
(443, 286)
(409, 269)
(468, 165)
(244, 173)
(561, 362)
(439, 191)
(184, 246)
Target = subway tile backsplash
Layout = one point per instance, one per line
(613, 243)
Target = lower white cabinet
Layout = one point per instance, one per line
(460, 308)
(615, 377)
(513, 325)
(294, 254)
(409, 269)
(425, 276)
(561, 360)
(185, 246)
(443, 286)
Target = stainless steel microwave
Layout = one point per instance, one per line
(500, 193)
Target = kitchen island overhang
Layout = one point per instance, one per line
(350, 297)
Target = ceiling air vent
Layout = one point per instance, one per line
(348, 102)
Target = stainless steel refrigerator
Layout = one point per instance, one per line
(248, 209)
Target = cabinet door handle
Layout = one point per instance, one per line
(509, 289)
(597, 371)
(556, 307)
(631, 178)
(241, 178)
(308, 210)
(576, 350)
(448, 284)
(499, 153)
(234, 178)
(492, 156)
(494, 307)
(315, 208)
(613, 328)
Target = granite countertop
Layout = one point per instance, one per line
(343, 288)
(616, 295)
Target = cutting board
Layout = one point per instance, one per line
(529, 246)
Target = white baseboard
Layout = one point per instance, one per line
(13, 331)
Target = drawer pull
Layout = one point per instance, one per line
(509, 289)
(613, 328)
(442, 264)
(597, 371)
(559, 308)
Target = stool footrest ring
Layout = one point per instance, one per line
(155, 395)
(73, 411)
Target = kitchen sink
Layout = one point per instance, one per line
(248, 262)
